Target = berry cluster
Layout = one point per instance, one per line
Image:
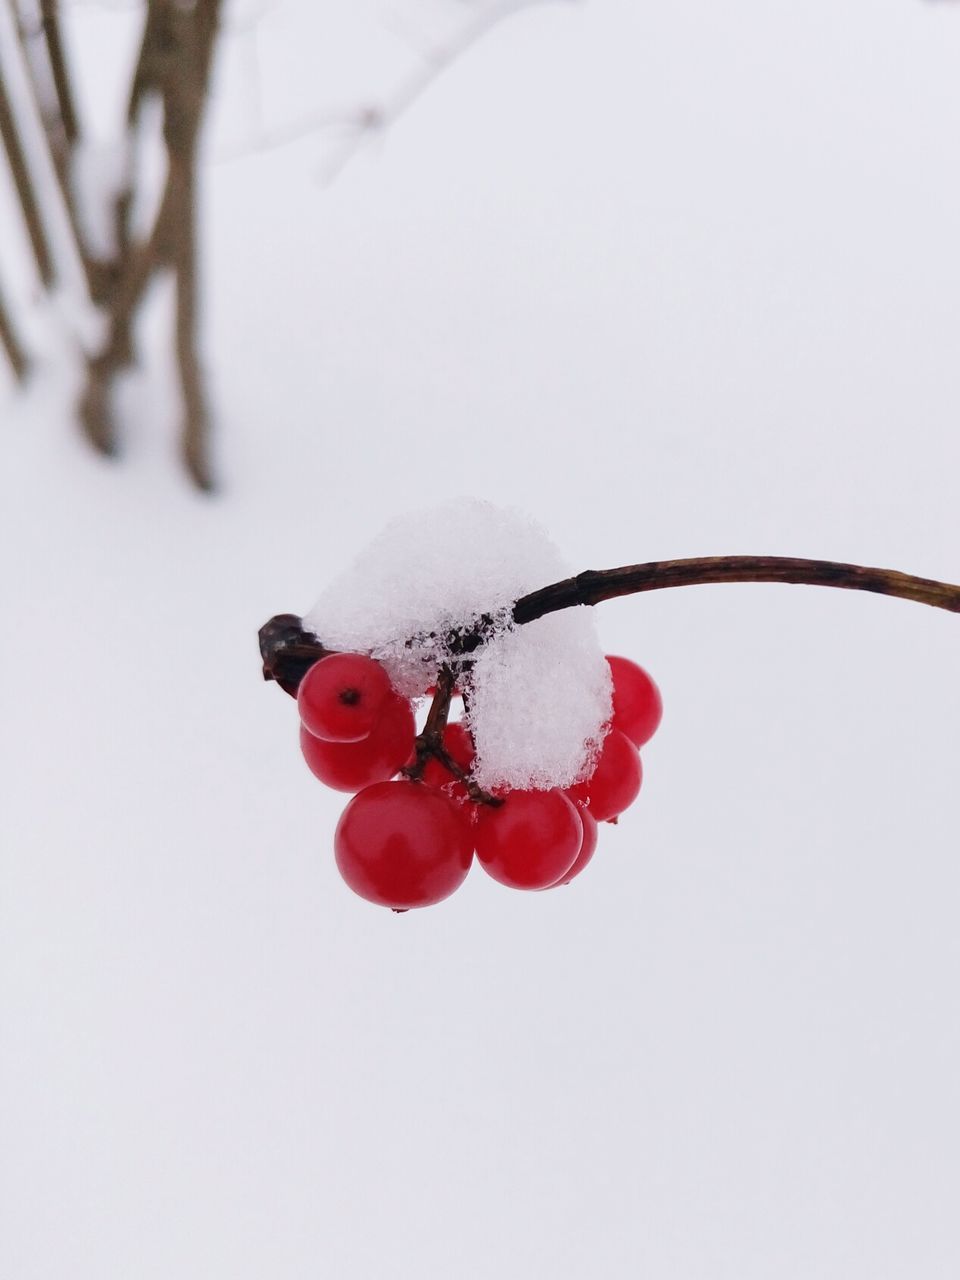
(409, 841)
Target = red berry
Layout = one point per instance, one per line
(531, 840)
(637, 705)
(615, 782)
(401, 844)
(341, 697)
(348, 766)
(587, 848)
(459, 745)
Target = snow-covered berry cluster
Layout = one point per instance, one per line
(547, 742)
(474, 599)
(409, 841)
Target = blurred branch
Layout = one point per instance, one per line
(136, 269)
(24, 186)
(174, 62)
(184, 97)
(361, 126)
(58, 67)
(11, 343)
(172, 67)
(54, 106)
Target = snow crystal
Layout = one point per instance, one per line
(540, 700)
(538, 696)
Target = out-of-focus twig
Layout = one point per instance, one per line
(22, 181)
(139, 263)
(59, 70)
(49, 83)
(11, 344)
(358, 127)
(185, 94)
(174, 63)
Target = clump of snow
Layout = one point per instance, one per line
(540, 702)
(427, 574)
(538, 696)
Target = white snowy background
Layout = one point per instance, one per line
(677, 279)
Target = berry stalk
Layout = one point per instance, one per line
(595, 586)
(429, 743)
(288, 651)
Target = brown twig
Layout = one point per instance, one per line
(94, 407)
(429, 742)
(145, 79)
(174, 61)
(288, 650)
(24, 187)
(11, 344)
(55, 108)
(50, 18)
(595, 586)
(184, 94)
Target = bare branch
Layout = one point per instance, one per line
(139, 263)
(594, 586)
(11, 343)
(288, 650)
(185, 94)
(175, 62)
(149, 72)
(60, 71)
(25, 189)
(60, 131)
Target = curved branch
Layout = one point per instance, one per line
(288, 650)
(594, 586)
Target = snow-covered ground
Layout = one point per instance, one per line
(676, 279)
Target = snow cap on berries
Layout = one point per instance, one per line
(539, 695)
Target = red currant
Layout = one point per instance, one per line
(615, 782)
(459, 746)
(401, 845)
(587, 848)
(341, 697)
(637, 705)
(348, 766)
(531, 840)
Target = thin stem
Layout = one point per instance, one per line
(11, 344)
(53, 102)
(94, 407)
(175, 60)
(26, 195)
(288, 650)
(60, 71)
(429, 741)
(594, 586)
(185, 93)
